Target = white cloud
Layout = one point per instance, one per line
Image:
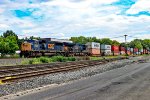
(65, 18)
(1, 10)
(3, 26)
(140, 5)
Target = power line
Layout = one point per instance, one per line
(133, 37)
(116, 37)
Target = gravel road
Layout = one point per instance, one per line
(64, 77)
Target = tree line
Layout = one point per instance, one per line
(136, 43)
(9, 42)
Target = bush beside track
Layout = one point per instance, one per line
(42, 60)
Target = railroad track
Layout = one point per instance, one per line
(17, 72)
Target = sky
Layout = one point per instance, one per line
(69, 18)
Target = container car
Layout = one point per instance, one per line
(105, 50)
(93, 48)
(122, 50)
(115, 50)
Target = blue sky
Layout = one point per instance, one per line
(67, 18)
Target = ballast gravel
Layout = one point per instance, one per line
(62, 77)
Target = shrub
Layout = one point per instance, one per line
(48, 60)
(44, 60)
(71, 59)
(34, 61)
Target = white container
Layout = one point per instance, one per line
(141, 50)
(105, 47)
(131, 49)
(93, 45)
(106, 52)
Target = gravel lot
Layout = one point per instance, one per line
(62, 77)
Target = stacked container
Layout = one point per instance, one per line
(145, 51)
(122, 50)
(148, 51)
(115, 50)
(93, 48)
(141, 51)
(105, 50)
(131, 50)
(128, 50)
(135, 51)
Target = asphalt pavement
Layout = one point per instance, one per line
(126, 83)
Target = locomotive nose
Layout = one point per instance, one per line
(26, 47)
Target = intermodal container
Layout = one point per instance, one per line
(128, 52)
(128, 49)
(122, 52)
(131, 49)
(141, 50)
(146, 51)
(115, 48)
(135, 50)
(94, 52)
(106, 52)
(93, 45)
(105, 47)
(121, 48)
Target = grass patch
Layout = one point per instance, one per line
(42, 60)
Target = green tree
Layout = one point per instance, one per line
(81, 39)
(10, 33)
(114, 42)
(8, 43)
(124, 45)
(136, 44)
(146, 43)
(106, 41)
(84, 40)
(12, 43)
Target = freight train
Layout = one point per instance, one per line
(51, 47)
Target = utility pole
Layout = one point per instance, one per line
(125, 38)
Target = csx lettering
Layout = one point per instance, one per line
(50, 45)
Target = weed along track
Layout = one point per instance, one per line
(15, 73)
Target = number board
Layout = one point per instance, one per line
(51, 46)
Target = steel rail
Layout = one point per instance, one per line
(49, 70)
